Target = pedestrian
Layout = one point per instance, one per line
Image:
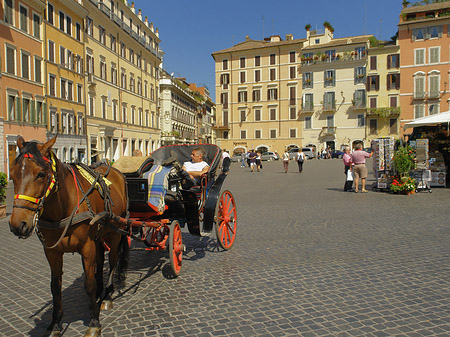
(285, 158)
(247, 158)
(347, 158)
(360, 170)
(225, 154)
(301, 158)
(243, 159)
(324, 153)
(252, 158)
(258, 160)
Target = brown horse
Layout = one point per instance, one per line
(58, 201)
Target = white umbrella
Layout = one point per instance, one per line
(443, 117)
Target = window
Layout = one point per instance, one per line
(373, 102)
(273, 133)
(307, 58)
(224, 99)
(434, 32)
(433, 108)
(123, 80)
(359, 99)
(113, 74)
(307, 80)
(63, 89)
(138, 61)
(272, 59)
(37, 70)
(12, 100)
(373, 125)
(257, 114)
(418, 34)
(9, 11)
(434, 55)
(257, 134)
(273, 114)
(10, 60)
(61, 20)
(308, 104)
(308, 122)
(329, 101)
(102, 69)
(360, 53)
(292, 56)
(257, 75)
(23, 18)
(243, 115)
(272, 94)
(242, 96)
(124, 114)
(104, 111)
(79, 93)
(69, 25)
(360, 75)
(257, 61)
(62, 56)
(26, 110)
(393, 101)
(292, 133)
(225, 65)
(292, 72)
(373, 82)
(373, 63)
(393, 81)
(393, 61)
(330, 55)
(256, 96)
(25, 65)
(292, 95)
(225, 80)
(418, 110)
(242, 76)
(70, 91)
(419, 57)
(36, 26)
(361, 121)
(243, 134)
(39, 113)
(393, 126)
(329, 78)
(90, 26)
(330, 121)
(122, 49)
(272, 74)
(242, 62)
(419, 87)
(52, 85)
(434, 86)
(292, 113)
(102, 35)
(78, 31)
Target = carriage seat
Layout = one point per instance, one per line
(133, 167)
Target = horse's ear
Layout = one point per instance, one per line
(20, 142)
(45, 148)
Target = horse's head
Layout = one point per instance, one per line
(33, 177)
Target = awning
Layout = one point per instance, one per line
(443, 117)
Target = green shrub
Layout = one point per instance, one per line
(3, 184)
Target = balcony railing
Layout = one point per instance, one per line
(419, 94)
(359, 104)
(116, 19)
(221, 126)
(126, 28)
(142, 40)
(433, 94)
(329, 106)
(135, 35)
(308, 106)
(105, 9)
(329, 130)
(339, 57)
(307, 84)
(329, 81)
(360, 79)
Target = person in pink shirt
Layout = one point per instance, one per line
(360, 170)
(347, 158)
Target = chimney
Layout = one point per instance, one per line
(247, 38)
(146, 21)
(132, 8)
(151, 27)
(140, 14)
(157, 32)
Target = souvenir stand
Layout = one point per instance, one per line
(383, 151)
(422, 173)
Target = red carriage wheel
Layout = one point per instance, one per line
(226, 220)
(176, 247)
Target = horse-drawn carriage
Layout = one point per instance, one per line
(76, 208)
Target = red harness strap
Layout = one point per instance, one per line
(29, 155)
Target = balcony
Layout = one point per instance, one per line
(359, 104)
(434, 94)
(116, 19)
(126, 28)
(329, 82)
(135, 35)
(419, 95)
(307, 84)
(329, 107)
(142, 40)
(329, 130)
(308, 107)
(360, 79)
(339, 57)
(221, 126)
(105, 9)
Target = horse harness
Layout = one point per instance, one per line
(97, 181)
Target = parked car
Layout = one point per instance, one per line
(307, 151)
(236, 158)
(270, 156)
(337, 154)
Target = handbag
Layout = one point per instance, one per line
(349, 175)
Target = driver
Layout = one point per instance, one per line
(196, 167)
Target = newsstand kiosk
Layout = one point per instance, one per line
(383, 152)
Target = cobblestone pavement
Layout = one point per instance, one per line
(309, 260)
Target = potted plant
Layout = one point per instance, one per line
(404, 161)
(403, 186)
(3, 185)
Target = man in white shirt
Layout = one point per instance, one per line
(197, 166)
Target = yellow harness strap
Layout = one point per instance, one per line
(36, 200)
(86, 175)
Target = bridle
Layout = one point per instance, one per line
(39, 202)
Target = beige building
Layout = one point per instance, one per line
(122, 66)
(383, 92)
(334, 89)
(258, 95)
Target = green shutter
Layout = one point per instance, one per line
(44, 113)
(33, 112)
(18, 114)
(23, 110)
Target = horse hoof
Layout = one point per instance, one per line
(93, 332)
(106, 305)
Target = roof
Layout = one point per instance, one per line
(249, 44)
(426, 8)
(341, 42)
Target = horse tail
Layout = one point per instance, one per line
(124, 258)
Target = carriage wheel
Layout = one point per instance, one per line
(176, 247)
(226, 220)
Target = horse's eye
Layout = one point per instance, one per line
(40, 175)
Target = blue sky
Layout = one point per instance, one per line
(191, 30)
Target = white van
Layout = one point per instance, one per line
(307, 151)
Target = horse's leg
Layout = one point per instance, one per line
(88, 252)
(55, 260)
(113, 241)
(124, 258)
(100, 256)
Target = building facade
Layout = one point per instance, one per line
(22, 98)
(123, 61)
(258, 95)
(424, 39)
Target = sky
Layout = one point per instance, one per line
(190, 31)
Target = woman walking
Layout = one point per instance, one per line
(285, 160)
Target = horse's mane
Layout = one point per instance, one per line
(32, 149)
